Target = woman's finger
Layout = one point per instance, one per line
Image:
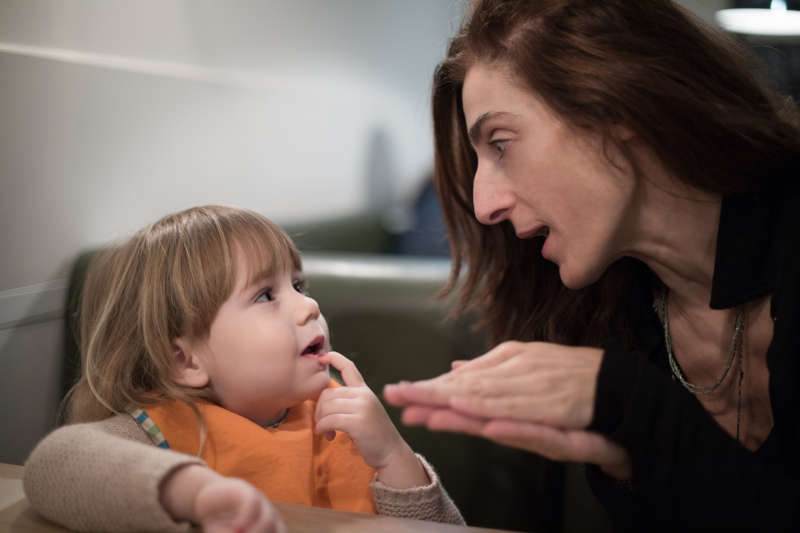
(433, 392)
(464, 378)
(538, 438)
(437, 419)
(441, 420)
(560, 445)
(538, 403)
(494, 357)
(511, 406)
(453, 422)
(417, 415)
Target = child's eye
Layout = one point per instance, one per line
(300, 286)
(264, 296)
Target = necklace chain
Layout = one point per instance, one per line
(737, 347)
(280, 420)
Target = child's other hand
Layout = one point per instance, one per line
(355, 410)
(232, 504)
(218, 504)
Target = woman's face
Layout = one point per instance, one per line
(544, 177)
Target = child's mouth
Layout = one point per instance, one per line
(314, 348)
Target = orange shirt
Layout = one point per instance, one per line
(288, 463)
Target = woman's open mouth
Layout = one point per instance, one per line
(542, 231)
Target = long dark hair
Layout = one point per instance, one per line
(686, 91)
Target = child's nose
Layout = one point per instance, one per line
(308, 310)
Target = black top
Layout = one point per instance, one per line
(687, 471)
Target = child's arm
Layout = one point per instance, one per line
(405, 486)
(216, 503)
(355, 410)
(107, 476)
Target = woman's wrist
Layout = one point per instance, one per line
(403, 470)
(179, 489)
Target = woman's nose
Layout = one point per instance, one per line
(492, 200)
(307, 310)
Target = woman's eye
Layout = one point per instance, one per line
(300, 286)
(264, 296)
(499, 145)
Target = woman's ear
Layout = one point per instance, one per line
(187, 368)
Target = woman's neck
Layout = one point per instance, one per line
(675, 235)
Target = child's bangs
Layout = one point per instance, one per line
(267, 249)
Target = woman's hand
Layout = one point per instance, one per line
(356, 410)
(533, 381)
(217, 503)
(557, 444)
(535, 396)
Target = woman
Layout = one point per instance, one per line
(625, 149)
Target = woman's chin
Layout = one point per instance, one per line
(576, 280)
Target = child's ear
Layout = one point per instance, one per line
(187, 368)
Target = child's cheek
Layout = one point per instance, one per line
(325, 331)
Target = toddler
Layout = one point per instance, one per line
(198, 337)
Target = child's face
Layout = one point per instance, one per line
(261, 351)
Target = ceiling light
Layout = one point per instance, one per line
(774, 24)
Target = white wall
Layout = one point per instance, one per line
(113, 113)
(116, 112)
(705, 9)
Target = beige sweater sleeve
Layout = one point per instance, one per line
(430, 502)
(105, 476)
(102, 476)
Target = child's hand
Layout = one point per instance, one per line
(217, 503)
(355, 410)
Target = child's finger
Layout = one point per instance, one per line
(457, 363)
(333, 405)
(350, 374)
(248, 512)
(332, 423)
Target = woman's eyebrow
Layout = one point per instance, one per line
(475, 130)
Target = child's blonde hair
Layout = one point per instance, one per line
(166, 281)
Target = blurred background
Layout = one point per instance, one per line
(114, 113)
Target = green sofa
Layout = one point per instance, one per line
(383, 314)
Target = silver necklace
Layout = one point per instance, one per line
(737, 346)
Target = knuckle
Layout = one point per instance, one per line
(516, 407)
(507, 346)
(478, 387)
